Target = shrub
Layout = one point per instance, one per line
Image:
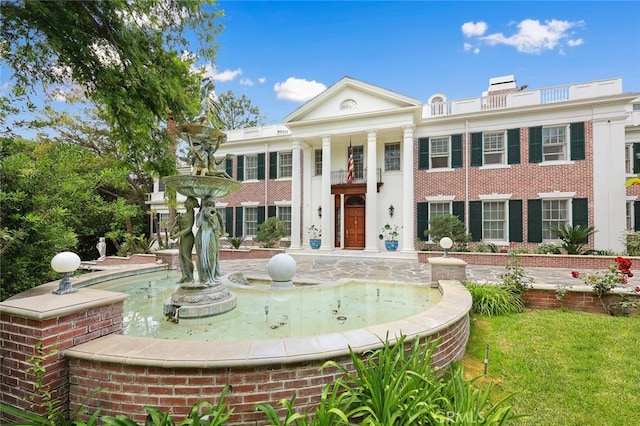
(574, 238)
(270, 231)
(494, 299)
(547, 248)
(448, 225)
(236, 242)
(516, 278)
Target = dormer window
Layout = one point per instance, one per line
(348, 104)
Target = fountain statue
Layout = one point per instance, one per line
(206, 295)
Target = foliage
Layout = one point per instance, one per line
(603, 282)
(127, 58)
(447, 225)
(574, 238)
(236, 242)
(270, 231)
(396, 385)
(516, 278)
(485, 247)
(547, 248)
(238, 113)
(494, 299)
(314, 232)
(389, 232)
(632, 242)
(563, 367)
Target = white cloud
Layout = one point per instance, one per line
(226, 75)
(262, 80)
(57, 95)
(535, 37)
(474, 29)
(246, 82)
(467, 47)
(476, 50)
(298, 89)
(576, 42)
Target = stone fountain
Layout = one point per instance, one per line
(205, 295)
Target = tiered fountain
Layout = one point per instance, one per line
(205, 295)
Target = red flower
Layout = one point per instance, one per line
(637, 289)
(624, 280)
(575, 274)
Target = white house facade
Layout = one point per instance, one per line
(510, 163)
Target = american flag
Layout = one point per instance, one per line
(350, 165)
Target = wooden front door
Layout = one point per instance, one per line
(354, 223)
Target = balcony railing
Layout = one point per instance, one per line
(339, 177)
(522, 98)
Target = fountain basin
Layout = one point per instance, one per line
(202, 186)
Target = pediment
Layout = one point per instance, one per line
(350, 97)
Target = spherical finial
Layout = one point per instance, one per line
(66, 261)
(446, 243)
(281, 268)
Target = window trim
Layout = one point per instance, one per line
(431, 153)
(566, 144)
(247, 169)
(503, 151)
(398, 157)
(280, 154)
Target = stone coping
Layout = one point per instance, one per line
(151, 352)
(40, 304)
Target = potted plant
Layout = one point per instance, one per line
(390, 236)
(314, 236)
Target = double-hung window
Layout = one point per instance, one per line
(440, 151)
(285, 163)
(494, 147)
(494, 220)
(250, 221)
(318, 162)
(284, 214)
(554, 143)
(251, 167)
(392, 156)
(555, 213)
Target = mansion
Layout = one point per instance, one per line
(510, 163)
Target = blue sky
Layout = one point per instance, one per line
(281, 53)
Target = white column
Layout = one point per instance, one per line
(325, 195)
(296, 195)
(408, 229)
(341, 221)
(372, 193)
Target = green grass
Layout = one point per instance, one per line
(566, 368)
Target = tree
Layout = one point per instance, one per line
(127, 58)
(238, 113)
(270, 231)
(447, 225)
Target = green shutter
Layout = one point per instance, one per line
(457, 209)
(476, 149)
(475, 220)
(240, 172)
(636, 158)
(261, 166)
(456, 151)
(580, 211)
(535, 146)
(260, 210)
(422, 220)
(228, 167)
(271, 211)
(515, 221)
(534, 221)
(423, 154)
(513, 146)
(576, 131)
(239, 222)
(273, 165)
(228, 220)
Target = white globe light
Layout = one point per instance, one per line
(281, 267)
(446, 243)
(65, 262)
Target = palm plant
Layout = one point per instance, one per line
(574, 238)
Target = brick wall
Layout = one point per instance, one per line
(128, 388)
(20, 336)
(573, 300)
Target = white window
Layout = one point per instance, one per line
(438, 209)
(251, 167)
(318, 161)
(630, 216)
(163, 223)
(555, 213)
(284, 214)
(439, 152)
(250, 221)
(392, 156)
(554, 143)
(628, 158)
(223, 215)
(285, 163)
(494, 220)
(493, 148)
(358, 162)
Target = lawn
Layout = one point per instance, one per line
(565, 368)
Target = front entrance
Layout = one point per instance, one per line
(354, 225)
